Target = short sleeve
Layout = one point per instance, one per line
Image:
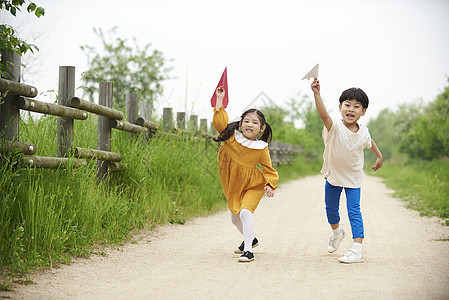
(325, 134)
(367, 143)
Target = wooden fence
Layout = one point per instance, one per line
(70, 108)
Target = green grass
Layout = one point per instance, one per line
(423, 184)
(49, 216)
(301, 166)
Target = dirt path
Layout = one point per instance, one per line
(403, 260)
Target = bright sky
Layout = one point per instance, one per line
(397, 51)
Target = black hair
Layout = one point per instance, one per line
(355, 94)
(229, 130)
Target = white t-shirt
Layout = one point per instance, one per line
(343, 154)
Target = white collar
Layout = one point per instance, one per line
(362, 132)
(259, 145)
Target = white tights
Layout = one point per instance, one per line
(244, 223)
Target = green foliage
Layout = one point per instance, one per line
(383, 131)
(282, 120)
(422, 140)
(131, 69)
(415, 130)
(14, 5)
(302, 165)
(8, 36)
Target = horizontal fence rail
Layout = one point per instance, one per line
(52, 162)
(50, 109)
(25, 148)
(17, 88)
(97, 154)
(96, 109)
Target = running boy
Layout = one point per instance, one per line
(344, 141)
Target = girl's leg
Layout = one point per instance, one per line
(237, 222)
(246, 218)
(355, 216)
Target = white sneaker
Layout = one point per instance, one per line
(335, 241)
(351, 257)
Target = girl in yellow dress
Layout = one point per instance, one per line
(243, 183)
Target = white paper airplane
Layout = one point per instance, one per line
(313, 73)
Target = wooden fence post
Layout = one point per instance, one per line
(181, 120)
(132, 108)
(104, 128)
(167, 119)
(193, 123)
(66, 90)
(9, 113)
(146, 110)
(203, 125)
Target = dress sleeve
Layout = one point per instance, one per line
(269, 173)
(220, 119)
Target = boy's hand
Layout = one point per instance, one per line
(268, 191)
(220, 92)
(378, 164)
(315, 86)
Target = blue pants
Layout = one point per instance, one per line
(332, 199)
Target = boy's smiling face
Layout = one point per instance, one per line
(351, 111)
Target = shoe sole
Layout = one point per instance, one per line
(240, 252)
(245, 259)
(351, 262)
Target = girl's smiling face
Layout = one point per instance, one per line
(351, 111)
(251, 126)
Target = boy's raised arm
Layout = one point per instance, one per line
(327, 120)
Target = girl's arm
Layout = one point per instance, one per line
(269, 173)
(379, 159)
(268, 191)
(220, 92)
(327, 120)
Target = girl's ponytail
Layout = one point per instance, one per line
(267, 134)
(227, 132)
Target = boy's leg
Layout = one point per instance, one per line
(354, 255)
(354, 214)
(332, 199)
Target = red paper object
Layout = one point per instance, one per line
(224, 83)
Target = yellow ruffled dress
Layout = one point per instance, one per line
(243, 183)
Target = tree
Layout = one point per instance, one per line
(8, 36)
(130, 69)
(417, 130)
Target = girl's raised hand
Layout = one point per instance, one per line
(220, 92)
(315, 86)
(268, 191)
